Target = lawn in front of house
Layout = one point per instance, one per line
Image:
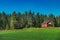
(31, 34)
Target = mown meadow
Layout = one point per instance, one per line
(31, 34)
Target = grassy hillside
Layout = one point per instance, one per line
(31, 34)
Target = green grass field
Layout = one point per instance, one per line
(31, 34)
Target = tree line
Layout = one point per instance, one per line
(25, 20)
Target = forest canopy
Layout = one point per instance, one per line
(25, 20)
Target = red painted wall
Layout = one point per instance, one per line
(44, 25)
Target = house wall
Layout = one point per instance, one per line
(44, 25)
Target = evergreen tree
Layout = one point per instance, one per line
(13, 20)
(52, 17)
(58, 21)
(37, 20)
(3, 20)
(30, 18)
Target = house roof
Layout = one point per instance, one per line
(46, 21)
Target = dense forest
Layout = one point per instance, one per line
(25, 20)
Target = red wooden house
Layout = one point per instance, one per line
(47, 23)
